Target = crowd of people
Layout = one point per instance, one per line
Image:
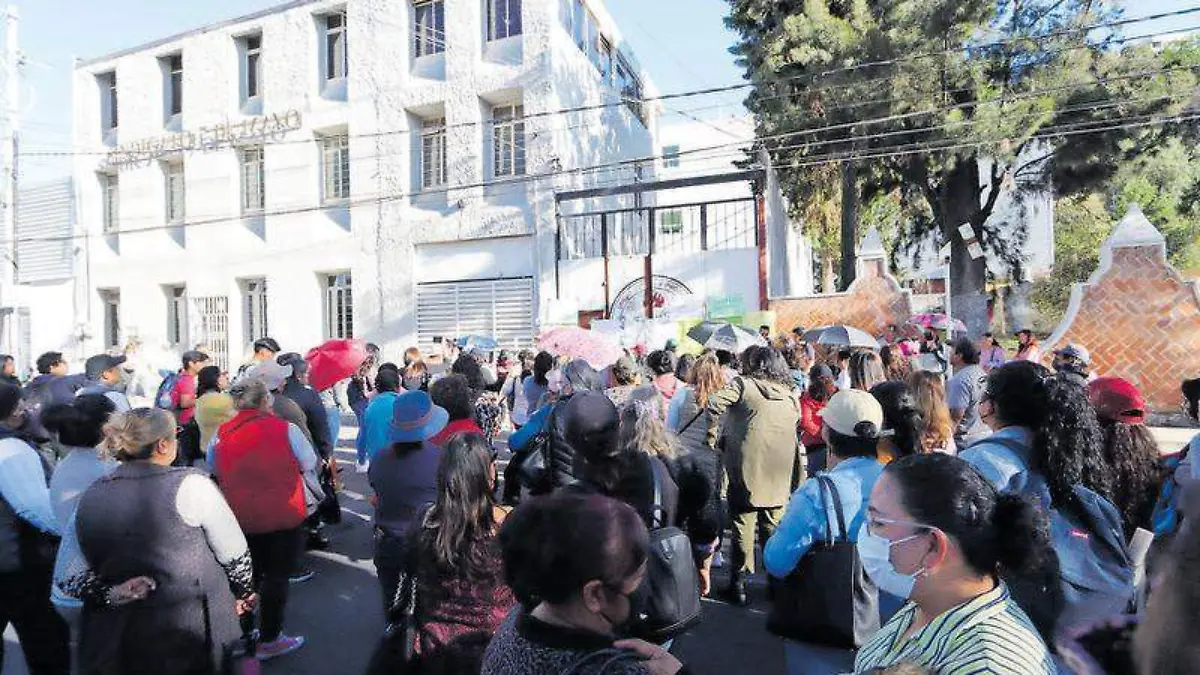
(920, 507)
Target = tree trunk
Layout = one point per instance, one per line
(828, 278)
(968, 278)
(849, 223)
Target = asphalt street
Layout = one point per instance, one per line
(340, 611)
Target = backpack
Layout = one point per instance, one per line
(1167, 519)
(165, 397)
(671, 585)
(1096, 567)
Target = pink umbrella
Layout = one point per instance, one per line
(580, 343)
(937, 321)
(334, 361)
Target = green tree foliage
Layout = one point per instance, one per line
(950, 102)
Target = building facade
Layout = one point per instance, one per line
(383, 170)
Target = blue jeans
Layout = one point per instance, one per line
(809, 659)
(333, 416)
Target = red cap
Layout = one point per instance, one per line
(1116, 399)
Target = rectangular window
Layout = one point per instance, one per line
(175, 193)
(339, 307)
(108, 100)
(606, 59)
(672, 222)
(579, 23)
(177, 315)
(433, 153)
(254, 196)
(336, 65)
(254, 300)
(629, 85)
(504, 19)
(592, 41)
(112, 318)
(508, 141)
(670, 156)
(110, 203)
(429, 27)
(335, 168)
(253, 46)
(174, 67)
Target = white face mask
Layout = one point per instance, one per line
(875, 552)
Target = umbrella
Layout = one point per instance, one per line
(937, 321)
(726, 336)
(480, 342)
(579, 343)
(846, 336)
(334, 361)
(813, 334)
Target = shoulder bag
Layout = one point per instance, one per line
(828, 599)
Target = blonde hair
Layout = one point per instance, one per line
(250, 394)
(642, 427)
(930, 395)
(707, 378)
(132, 435)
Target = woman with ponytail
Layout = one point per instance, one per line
(902, 421)
(950, 552)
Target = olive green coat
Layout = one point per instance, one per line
(757, 421)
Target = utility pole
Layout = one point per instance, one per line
(12, 111)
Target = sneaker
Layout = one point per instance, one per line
(284, 644)
(362, 467)
(300, 576)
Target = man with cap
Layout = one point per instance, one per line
(404, 478)
(265, 349)
(104, 377)
(852, 425)
(183, 393)
(1074, 361)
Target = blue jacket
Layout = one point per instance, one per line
(805, 521)
(997, 462)
(375, 430)
(537, 421)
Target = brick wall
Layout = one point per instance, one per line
(1139, 318)
(872, 302)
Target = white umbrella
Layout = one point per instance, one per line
(847, 336)
(734, 339)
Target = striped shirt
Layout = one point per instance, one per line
(989, 635)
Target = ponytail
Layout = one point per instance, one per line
(1022, 534)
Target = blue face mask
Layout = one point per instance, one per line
(875, 552)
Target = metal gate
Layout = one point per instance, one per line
(499, 308)
(209, 325)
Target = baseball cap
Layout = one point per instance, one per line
(854, 413)
(96, 365)
(1117, 399)
(1074, 351)
(590, 425)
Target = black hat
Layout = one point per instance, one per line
(268, 344)
(590, 425)
(297, 362)
(98, 364)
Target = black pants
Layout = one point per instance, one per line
(274, 554)
(25, 603)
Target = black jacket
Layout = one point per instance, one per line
(314, 412)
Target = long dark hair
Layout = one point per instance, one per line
(1066, 430)
(461, 525)
(208, 380)
(820, 386)
(1132, 452)
(766, 363)
(543, 363)
(900, 416)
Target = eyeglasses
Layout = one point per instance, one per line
(873, 523)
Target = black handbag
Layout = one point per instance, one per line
(533, 461)
(396, 654)
(330, 509)
(829, 599)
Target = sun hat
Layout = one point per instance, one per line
(1118, 400)
(854, 413)
(415, 418)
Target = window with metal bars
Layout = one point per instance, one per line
(336, 60)
(254, 300)
(177, 332)
(110, 202)
(254, 197)
(174, 67)
(108, 100)
(429, 27)
(175, 192)
(433, 153)
(504, 19)
(253, 46)
(112, 317)
(335, 168)
(339, 307)
(508, 141)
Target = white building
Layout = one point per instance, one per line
(326, 169)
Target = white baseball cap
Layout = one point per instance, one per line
(850, 411)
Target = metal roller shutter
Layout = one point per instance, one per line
(501, 308)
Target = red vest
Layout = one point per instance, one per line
(258, 473)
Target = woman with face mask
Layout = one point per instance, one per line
(575, 562)
(948, 551)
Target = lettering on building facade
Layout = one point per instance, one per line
(204, 139)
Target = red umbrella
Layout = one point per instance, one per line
(334, 361)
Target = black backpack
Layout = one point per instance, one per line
(672, 584)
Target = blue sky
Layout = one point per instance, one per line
(682, 43)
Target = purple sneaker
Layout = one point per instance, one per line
(284, 644)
